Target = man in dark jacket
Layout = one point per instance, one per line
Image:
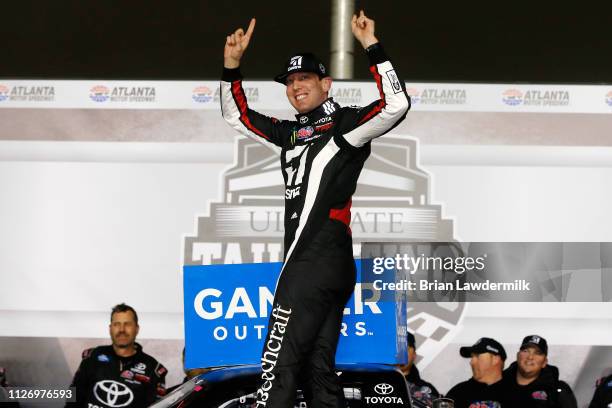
(422, 392)
(603, 393)
(121, 374)
(485, 388)
(531, 382)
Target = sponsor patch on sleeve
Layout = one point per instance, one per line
(103, 358)
(394, 80)
(142, 378)
(160, 370)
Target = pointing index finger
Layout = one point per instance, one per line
(251, 27)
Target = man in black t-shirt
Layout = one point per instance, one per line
(485, 388)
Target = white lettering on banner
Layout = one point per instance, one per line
(240, 302)
(243, 335)
(430, 96)
(199, 306)
(221, 330)
(258, 250)
(359, 303)
(221, 333)
(360, 329)
(207, 253)
(240, 295)
(233, 254)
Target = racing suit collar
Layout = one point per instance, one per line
(137, 348)
(327, 108)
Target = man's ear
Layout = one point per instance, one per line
(327, 83)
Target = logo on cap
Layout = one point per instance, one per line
(295, 63)
(493, 349)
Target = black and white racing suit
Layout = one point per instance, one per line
(322, 153)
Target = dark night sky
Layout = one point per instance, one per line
(542, 42)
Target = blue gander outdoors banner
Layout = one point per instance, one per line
(227, 309)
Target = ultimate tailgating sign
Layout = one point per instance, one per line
(227, 309)
(245, 226)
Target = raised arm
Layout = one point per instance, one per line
(376, 119)
(234, 106)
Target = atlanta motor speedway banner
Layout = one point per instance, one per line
(110, 188)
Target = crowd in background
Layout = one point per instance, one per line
(529, 381)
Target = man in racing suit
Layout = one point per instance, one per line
(121, 374)
(322, 153)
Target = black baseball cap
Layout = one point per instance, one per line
(484, 345)
(535, 340)
(302, 62)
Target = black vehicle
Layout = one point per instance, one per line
(365, 385)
